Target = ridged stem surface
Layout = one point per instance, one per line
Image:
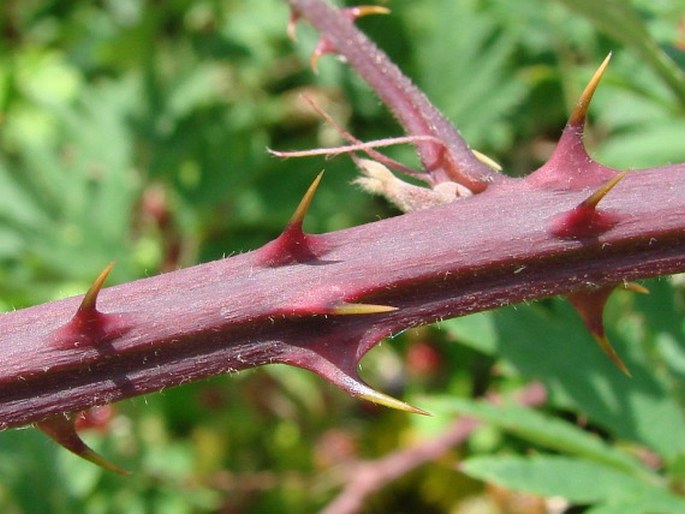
(493, 249)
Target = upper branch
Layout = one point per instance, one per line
(452, 160)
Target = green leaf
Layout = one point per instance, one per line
(577, 480)
(645, 145)
(645, 125)
(462, 66)
(553, 346)
(477, 331)
(543, 430)
(654, 503)
(620, 20)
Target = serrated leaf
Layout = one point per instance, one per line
(462, 66)
(577, 480)
(552, 346)
(546, 431)
(620, 20)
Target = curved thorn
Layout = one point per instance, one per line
(347, 309)
(314, 60)
(597, 196)
(590, 305)
(634, 287)
(292, 23)
(90, 298)
(608, 349)
(366, 10)
(62, 430)
(580, 110)
(299, 214)
(367, 393)
(485, 159)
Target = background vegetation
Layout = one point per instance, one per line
(137, 131)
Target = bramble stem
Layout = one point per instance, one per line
(483, 252)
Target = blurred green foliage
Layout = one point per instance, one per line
(137, 132)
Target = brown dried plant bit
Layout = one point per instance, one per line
(61, 428)
(590, 304)
(379, 180)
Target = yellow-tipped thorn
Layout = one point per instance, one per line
(90, 298)
(366, 10)
(580, 110)
(299, 214)
(350, 309)
(605, 345)
(487, 160)
(634, 287)
(62, 430)
(314, 61)
(379, 398)
(595, 197)
(292, 24)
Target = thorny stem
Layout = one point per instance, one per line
(320, 302)
(490, 250)
(454, 161)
